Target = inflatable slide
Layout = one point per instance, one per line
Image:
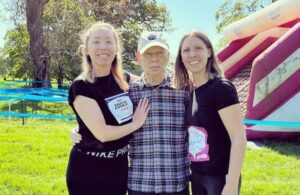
(263, 61)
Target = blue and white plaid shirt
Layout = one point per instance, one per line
(158, 151)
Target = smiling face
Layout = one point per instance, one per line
(101, 47)
(195, 54)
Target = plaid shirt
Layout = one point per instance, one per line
(158, 151)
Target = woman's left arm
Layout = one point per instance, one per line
(233, 121)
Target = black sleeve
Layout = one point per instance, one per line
(79, 87)
(226, 95)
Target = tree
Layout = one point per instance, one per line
(16, 54)
(39, 53)
(16, 8)
(3, 68)
(54, 32)
(131, 17)
(221, 43)
(63, 20)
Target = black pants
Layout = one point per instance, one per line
(96, 176)
(184, 192)
(208, 185)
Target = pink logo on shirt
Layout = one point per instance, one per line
(198, 147)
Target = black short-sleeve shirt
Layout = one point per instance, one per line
(209, 150)
(102, 88)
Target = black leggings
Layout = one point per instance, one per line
(208, 185)
(93, 176)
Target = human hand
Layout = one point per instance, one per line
(140, 113)
(75, 136)
(229, 190)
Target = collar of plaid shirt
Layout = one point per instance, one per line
(165, 83)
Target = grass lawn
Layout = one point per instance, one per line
(272, 169)
(34, 156)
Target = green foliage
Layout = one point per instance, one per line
(131, 18)
(16, 57)
(221, 44)
(231, 11)
(63, 21)
(3, 67)
(234, 10)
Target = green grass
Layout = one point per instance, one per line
(38, 107)
(272, 169)
(34, 157)
(12, 85)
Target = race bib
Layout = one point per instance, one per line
(120, 106)
(198, 147)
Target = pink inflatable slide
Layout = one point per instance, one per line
(265, 65)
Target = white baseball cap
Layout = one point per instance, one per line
(151, 39)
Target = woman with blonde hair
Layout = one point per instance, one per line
(217, 140)
(104, 113)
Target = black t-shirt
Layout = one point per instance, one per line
(102, 88)
(209, 142)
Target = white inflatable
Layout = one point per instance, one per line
(275, 32)
(273, 15)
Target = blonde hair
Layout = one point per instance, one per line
(116, 68)
(212, 69)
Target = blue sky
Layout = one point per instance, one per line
(4, 25)
(187, 15)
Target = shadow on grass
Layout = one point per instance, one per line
(291, 147)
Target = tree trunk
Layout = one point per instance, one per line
(60, 79)
(39, 52)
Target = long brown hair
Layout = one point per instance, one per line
(212, 70)
(116, 68)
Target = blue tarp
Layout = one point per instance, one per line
(34, 90)
(43, 116)
(272, 123)
(34, 94)
(43, 98)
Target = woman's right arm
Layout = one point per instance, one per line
(92, 116)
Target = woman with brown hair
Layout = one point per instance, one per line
(217, 140)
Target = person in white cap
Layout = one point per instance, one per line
(158, 150)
